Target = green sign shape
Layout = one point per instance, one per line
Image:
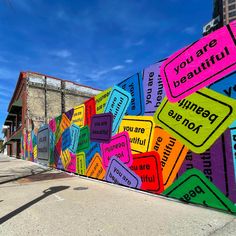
(194, 187)
(84, 139)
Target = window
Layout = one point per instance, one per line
(231, 1)
(232, 13)
(231, 7)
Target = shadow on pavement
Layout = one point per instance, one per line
(80, 188)
(32, 172)
(46, 193)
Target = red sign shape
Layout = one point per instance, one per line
(148, 166)
(90, 110)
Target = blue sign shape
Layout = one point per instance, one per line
(134, 86)
(226, 86)
(75, 131)
(89, 153)
(117, 104)
(66, 139)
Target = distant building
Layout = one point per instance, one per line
(1, 145)
(38, 98)
(229, 11)
(224, 11)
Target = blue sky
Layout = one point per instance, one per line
(96, 42)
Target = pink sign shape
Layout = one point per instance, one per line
(200, 64)
(119, 146)
(52, 124)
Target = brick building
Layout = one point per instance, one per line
(36, 99)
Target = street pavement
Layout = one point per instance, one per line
(37, 200)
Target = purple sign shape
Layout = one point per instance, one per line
(70, 113)
(119, 173)
(101, 127)
(216, 164)
(153, 88)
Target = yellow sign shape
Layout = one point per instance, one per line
(65, 122)
(95, 168)
(172, 154)
(197, 120)
(65, 158)
(140, 129)
(101, 100)
(35, 151)
(80, 163)
(79, 115)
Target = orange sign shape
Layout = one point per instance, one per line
(65, 122)
(95, 168)
(172, 154)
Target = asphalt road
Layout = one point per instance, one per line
(35, 200)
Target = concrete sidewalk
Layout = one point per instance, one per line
(56, 203)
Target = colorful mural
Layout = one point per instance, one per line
(160, 130)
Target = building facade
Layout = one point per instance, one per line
(224, 11)
(36, 99)
(229, 11)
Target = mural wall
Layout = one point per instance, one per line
(167, 130)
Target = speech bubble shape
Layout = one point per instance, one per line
(80, 163)
(57, 160)
(225, 86)
(58, 145)
(153, 88)
(140, 129)
(90, 110)
(58, 130)
(217, 165)
(193, 186)
(133, 85)
(148, 167)
(119, 173)
(52, 125)
(101, 127)
(172, 154)
(233, 141)
(200, 64)
(78, 116)
(117, 104)
(65, 158)
(84, 141)
(65, 122)
(66, 139)
(91, 151)
(198, 120)
(95, 168)
(101, 100)
(119, 147)
(70, 113)
(75, 131)
(35, 151)
(72, 165)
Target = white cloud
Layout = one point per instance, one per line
(128, 61)
(6, 74)
(5, 94)
(189, 30)
(98, 74)
(72, 63)
(64, 53)
(117, 67)
(139, 43)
